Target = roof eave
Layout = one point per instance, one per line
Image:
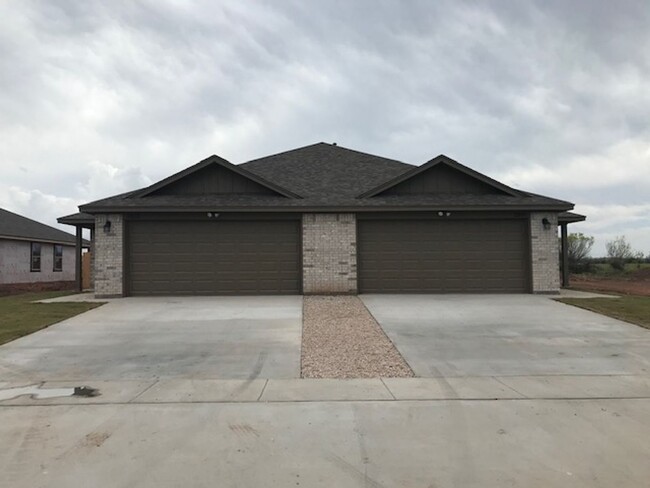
(560, 207)
(570, 218)
(34, 239)
(71, 220)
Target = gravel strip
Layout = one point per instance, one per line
(340, 339)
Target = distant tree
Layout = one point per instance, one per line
(578, 249)
(618, 252)
(639, 258)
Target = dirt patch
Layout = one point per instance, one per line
(642, 274)
(341, 339)
(638, 284)
(96, 439)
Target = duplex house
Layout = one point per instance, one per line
(325, 219)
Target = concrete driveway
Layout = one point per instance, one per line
(503, 335)
(444, 444)
(167, 417)
(150, 338)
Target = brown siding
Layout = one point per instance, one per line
(442, 179)
(214, 257)
(443, 256)
(214, 180)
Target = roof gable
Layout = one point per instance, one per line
(441, 176)
(214, 176)
(326, 177)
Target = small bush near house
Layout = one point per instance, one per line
(578, 249)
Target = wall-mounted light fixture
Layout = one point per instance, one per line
(107, 227)
(546, 223)
(212, 215)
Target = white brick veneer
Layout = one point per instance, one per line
(545, 253)
(329, 253)
(109, 256)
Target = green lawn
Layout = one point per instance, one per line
(632, 309)
(19, 317)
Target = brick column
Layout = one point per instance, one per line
(329, 253)
(545, 253)
(109, 256)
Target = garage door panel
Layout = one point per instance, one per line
(433, 256)
(212, 258)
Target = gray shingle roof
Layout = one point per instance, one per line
(325, 169)
(328, 178)
(268, 203)
(570, 217)
(14, 225)
(77, 218)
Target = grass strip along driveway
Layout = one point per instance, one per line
(19, 316)
(634, 309)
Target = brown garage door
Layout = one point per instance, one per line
(213, 258)
(443, 256)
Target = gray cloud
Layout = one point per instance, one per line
(98, 98)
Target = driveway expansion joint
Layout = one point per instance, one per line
(262, 392)
(508, 386)
(386, 386)
(178, 391)
(146, 389)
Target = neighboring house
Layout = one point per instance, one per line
(325, 219)
(34, 255)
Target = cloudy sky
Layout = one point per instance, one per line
(553, 97)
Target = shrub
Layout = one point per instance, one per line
(578, 249)
(619, 251)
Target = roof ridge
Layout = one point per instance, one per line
(332, 145)
(373, 155)
(283, 152)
